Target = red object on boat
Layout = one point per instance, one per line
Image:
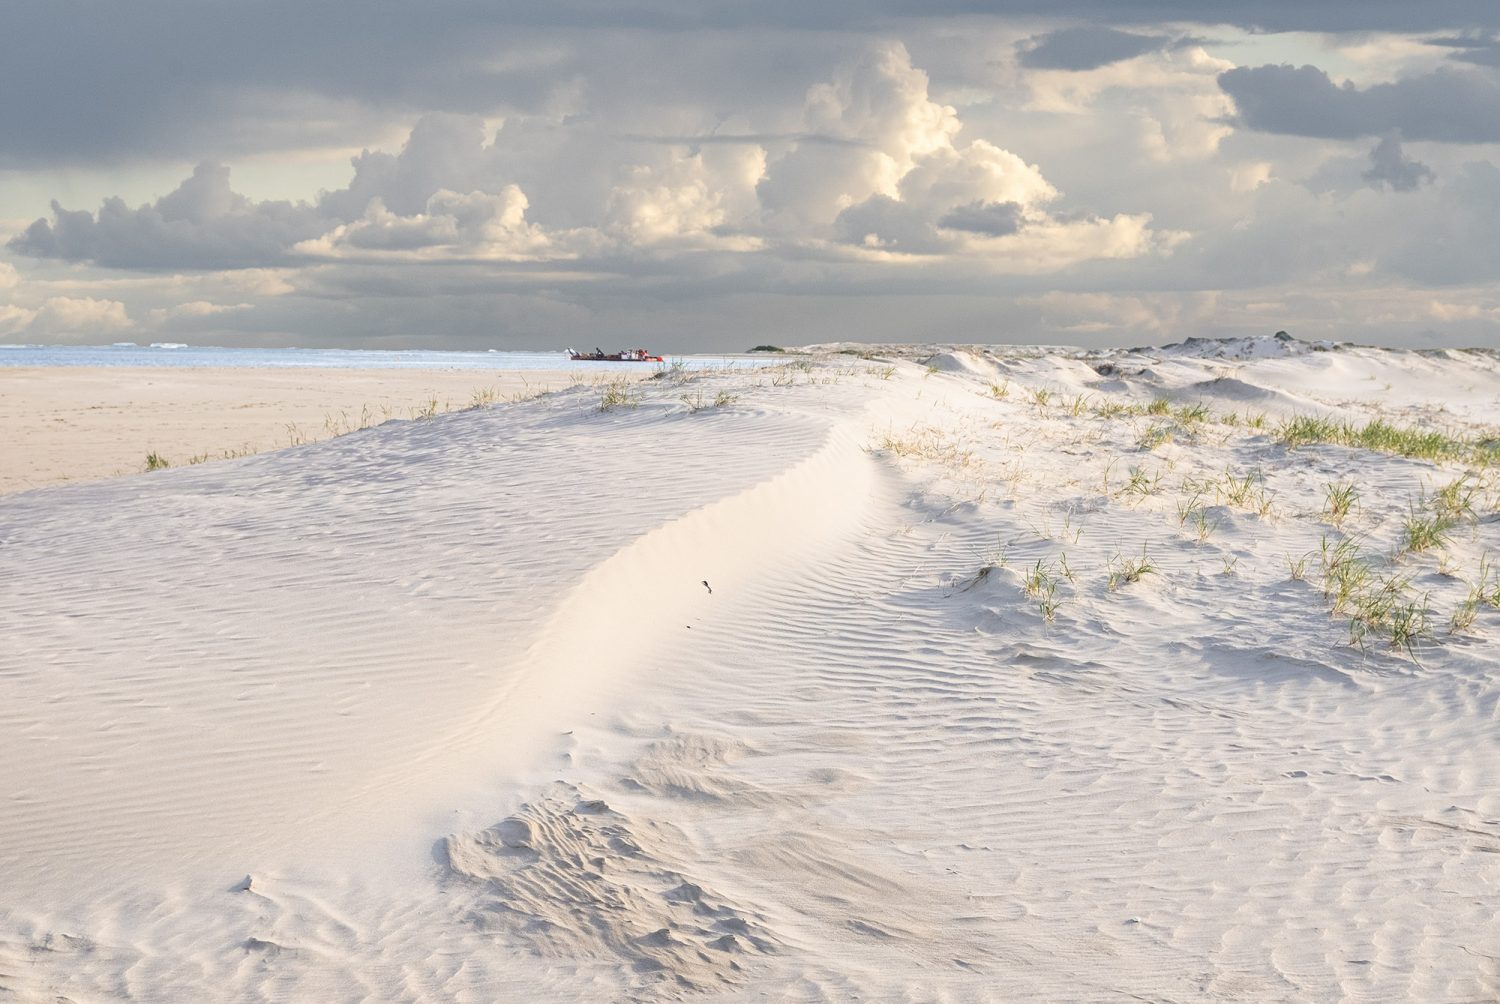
(622, 356)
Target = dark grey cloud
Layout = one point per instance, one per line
(883, 222)
(1086, 48)
(992, 219)
(1390, 166)
(87, 81)
(1457, 106)
(1477, 48)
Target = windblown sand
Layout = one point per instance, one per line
(989, 676)
(83, 423)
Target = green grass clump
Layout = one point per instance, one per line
(1153, 437)
(1340, 502)
(1377, 605)
(1124, 571)
(1190, 413)
(675, 371)
(618, 393)
(1345, 574)
(156, 462)
(1383, 437)
(1483, 591)
(1110, 409)
(698, 401)
(1040, 584)
(1455, 501)
(1384, 611)
(1142, 483)
(1422, 531)
(768, 348)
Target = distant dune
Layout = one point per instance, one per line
(878, 672)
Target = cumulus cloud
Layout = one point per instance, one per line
(1446, 105)
(1172, 96)
(491, 226)
(704, 198)
(440, 194)
(891, 176)
(203, 224)
(1390, 166)
(875, 165)
(886, 171)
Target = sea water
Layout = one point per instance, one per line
(179, 354)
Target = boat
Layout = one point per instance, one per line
(622, 356)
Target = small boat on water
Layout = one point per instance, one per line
(622, 356)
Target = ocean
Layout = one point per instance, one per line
(178, 354)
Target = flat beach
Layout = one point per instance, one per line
(82, 423)
(877, 673)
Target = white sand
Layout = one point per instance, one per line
(452, 693)
(83, 423)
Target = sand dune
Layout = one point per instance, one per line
(961, 676)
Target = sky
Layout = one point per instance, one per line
(702, 175)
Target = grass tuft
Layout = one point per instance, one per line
(1124, 571)
(1040, 584)
(1422, 531)
(1340, 502)
(618, 393)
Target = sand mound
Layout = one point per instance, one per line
(960, 362)
(1278, 346)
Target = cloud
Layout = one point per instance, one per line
(893, 175)
(1446, 105)
(474, 224)
(1478, 49)
(1148, 315)
(63, 317)
(992, 219)
(441, 193)
(190, 81)
(1088, 48)
(9, 277)
(700, 199)
(194, 311)
(202, 224)
(1389, 165)
(1173, 98)
(874, 164)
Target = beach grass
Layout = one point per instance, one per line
(1383, 437)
